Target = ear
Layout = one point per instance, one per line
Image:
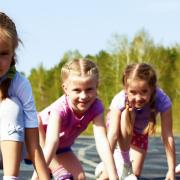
(64, 87)
(125, 88)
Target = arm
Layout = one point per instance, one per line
(24, 92)
(114, 128)
(103, 146)
(168, 140)
(49, 140)
(52, 136)
(35, 152)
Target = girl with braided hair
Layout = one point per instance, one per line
(18, 118)
(132, 118)
(66, 118)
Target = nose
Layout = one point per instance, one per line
(138, 97)
(83, 95)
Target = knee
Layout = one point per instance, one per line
(137, 172)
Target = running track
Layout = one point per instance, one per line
(155, 166)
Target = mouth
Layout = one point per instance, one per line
(140, 104)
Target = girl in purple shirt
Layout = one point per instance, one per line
(65, 119)
(132, 118)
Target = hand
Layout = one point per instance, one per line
(128, 118)
(103, 176)
(34, 176)
(170, 175)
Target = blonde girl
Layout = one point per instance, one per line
(18, 119)
(66, 118)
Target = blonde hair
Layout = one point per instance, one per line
(144, 72)
(79, 67)
(8, 34)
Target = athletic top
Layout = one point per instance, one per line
(162, 104)
(71, 126)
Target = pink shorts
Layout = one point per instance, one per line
(140, 141)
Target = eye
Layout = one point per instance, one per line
(76, 90)
(145, 91)
(4, 53)
(132, 92)
(89, 89)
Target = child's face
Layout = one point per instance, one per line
(82, 91)
(138, 92)
(6, 55)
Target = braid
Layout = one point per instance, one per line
(129, 120)
(151, 127)
(79, 67)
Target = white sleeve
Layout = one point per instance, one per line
(118, 101)
(24, 93)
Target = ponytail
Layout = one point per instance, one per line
(151, 127)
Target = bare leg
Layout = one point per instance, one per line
(125, 137)
(70, 162)
(67, 160)
(12, 154)
(138, 156)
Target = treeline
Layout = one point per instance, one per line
(166, 61)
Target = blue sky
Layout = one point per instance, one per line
(48, 29)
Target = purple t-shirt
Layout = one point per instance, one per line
(71, 126)
(162, 104)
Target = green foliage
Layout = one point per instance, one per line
(46, 84)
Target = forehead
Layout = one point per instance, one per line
(137, 84)
(5, 42)
(87, 79)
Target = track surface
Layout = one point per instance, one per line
(155, 166)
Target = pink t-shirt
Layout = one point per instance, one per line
(71, 126)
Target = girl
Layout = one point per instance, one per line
(64, 120)
(132, 118)
(18, 118)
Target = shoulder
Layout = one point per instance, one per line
(118, 100)
(20, 81)
(98, 105)
(59, 106)
(160, 94)
(162, 100)
(20, 87)
(19, 78)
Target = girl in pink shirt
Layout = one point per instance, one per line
(65, 119)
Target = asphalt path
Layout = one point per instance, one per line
(155, 166)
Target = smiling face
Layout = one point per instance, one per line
(6, 56)
(82, 91)
(138, 92)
